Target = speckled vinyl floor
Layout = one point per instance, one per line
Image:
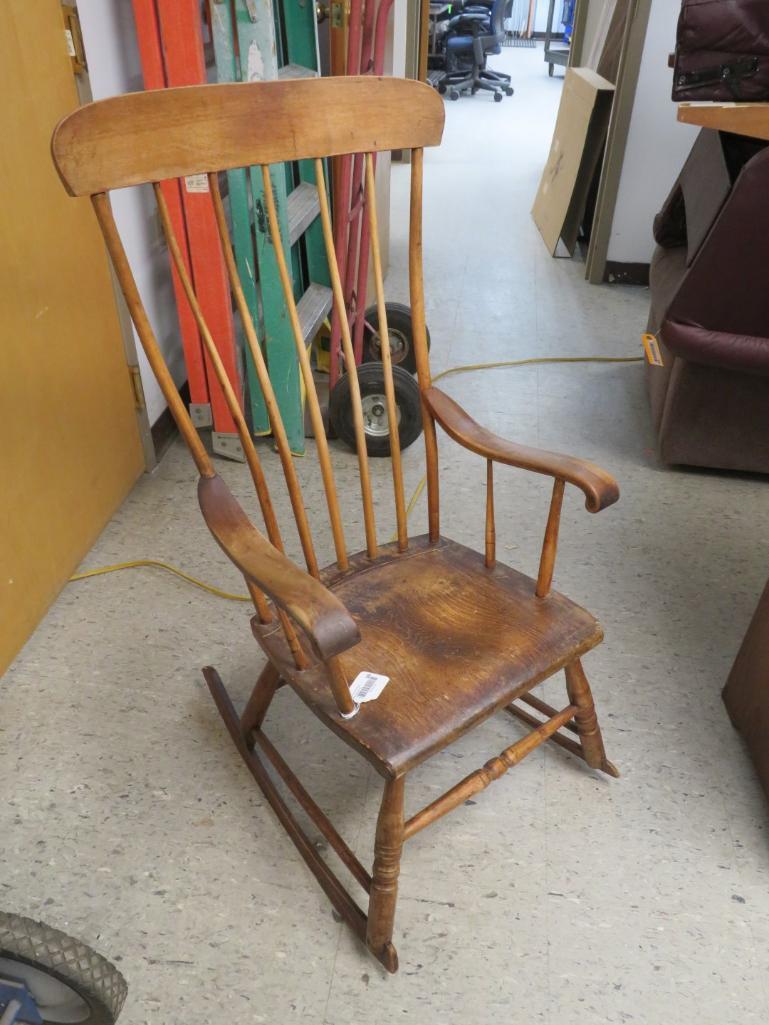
(559, 896)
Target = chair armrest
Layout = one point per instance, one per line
(600, 488)
(320, 615)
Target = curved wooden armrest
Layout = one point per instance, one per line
(599, 487)
(320, 615)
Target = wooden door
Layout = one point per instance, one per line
(71, 447)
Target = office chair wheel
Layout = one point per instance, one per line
(498, 97)
(61, 978)
(442, 87)
(453, 94)
(375, 422)
(400, 330)
(509, 90)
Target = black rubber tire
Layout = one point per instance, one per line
(399, 325)
(91, 976)
(371, 382)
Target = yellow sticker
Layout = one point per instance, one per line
(652, 350)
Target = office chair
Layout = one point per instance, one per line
(472, 35)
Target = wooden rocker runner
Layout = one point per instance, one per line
(460, 635)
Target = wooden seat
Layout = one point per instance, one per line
(459, 635)
(458, 640)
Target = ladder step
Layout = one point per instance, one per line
(296, 71)
(303, 207)
(313, 308)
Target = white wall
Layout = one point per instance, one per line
(398, 20)
(540, 16)
(657, 144)
(597, 22)
(109, 37)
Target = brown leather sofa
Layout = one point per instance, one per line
(709, 283)
(722, 51)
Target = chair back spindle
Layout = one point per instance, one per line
(417, 297)
(103, 210)
(550, 543)
(349, 364)
(232, 400)
(316, 417)
(491, 535)
(234, 406)
(384, 337)
(270, 401)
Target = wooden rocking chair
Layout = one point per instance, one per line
(460, 635)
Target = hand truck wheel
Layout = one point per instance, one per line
(401, 332)
(375, 422)
(54, 978)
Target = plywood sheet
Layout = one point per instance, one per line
(578, 140)
(611, 53)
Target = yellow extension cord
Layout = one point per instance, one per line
(468, 368)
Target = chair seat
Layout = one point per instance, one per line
(460, 43)
(457, 640)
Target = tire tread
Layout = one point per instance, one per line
(73, 961)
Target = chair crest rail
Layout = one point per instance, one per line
(172, 133)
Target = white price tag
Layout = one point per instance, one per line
(367, 687)
(196, 183)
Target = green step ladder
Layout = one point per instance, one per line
(255, 40)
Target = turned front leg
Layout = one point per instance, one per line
(388, 845)
(589, 731)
